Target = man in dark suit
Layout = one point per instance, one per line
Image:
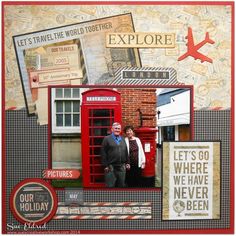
(115, 157)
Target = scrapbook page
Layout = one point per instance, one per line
(117, 117)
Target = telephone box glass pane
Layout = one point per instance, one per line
(59, 120)
(67, 106)
(96, 169)
(95, 160)
(76, 106)
(100, 122)
(100, 113)
(76, 120)
(96, 141)
(95, 151)
(67, 120)
(59, 106)
(99, 132)
(67, 93)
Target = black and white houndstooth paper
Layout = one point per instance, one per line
(27, 155)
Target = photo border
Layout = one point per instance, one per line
(229, 230)
(190, 87)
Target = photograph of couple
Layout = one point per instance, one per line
(123, 158)
(114, 136)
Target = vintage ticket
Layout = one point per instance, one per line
(53, 61)
(81, 44)
(70, 48)
(45, 78)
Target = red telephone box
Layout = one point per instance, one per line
(100, 109)
(148, 139)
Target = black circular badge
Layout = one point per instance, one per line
(33, 201)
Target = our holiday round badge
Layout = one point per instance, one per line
(33, 201)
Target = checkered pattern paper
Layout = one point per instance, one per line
(27, 156)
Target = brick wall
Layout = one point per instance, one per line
(134, 99)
